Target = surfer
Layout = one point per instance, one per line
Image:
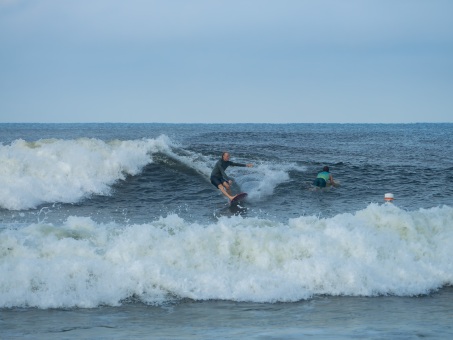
(323, 178)
(220, 179)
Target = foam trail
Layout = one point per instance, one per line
(259, 181)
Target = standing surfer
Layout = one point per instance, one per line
(220, 179)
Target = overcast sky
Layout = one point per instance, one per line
(215, 61)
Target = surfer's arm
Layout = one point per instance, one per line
(249, 165)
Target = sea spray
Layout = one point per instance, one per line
(380, 250)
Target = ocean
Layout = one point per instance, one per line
(114, 231)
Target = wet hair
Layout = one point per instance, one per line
(326, 168)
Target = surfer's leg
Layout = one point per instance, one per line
(225, 192)
(227, 187)
(319, 182)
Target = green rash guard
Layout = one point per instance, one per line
(324, 175)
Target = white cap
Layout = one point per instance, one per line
(388, 197)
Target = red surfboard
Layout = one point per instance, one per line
(238, 198)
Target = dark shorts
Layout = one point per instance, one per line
(320, 182)
(216, 181)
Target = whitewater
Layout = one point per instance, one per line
(381, 250)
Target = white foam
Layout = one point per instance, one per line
(379, 250)
(56, 170)
(261, 180)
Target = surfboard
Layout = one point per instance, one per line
(238, 198)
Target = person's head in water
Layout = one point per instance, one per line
(326, 169)
(226, 156)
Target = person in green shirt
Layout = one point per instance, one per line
(323, 178)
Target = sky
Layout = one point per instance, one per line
(216, 61)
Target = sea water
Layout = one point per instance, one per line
(114, 231)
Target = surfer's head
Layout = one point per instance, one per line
(226, 156)
(326, 168)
